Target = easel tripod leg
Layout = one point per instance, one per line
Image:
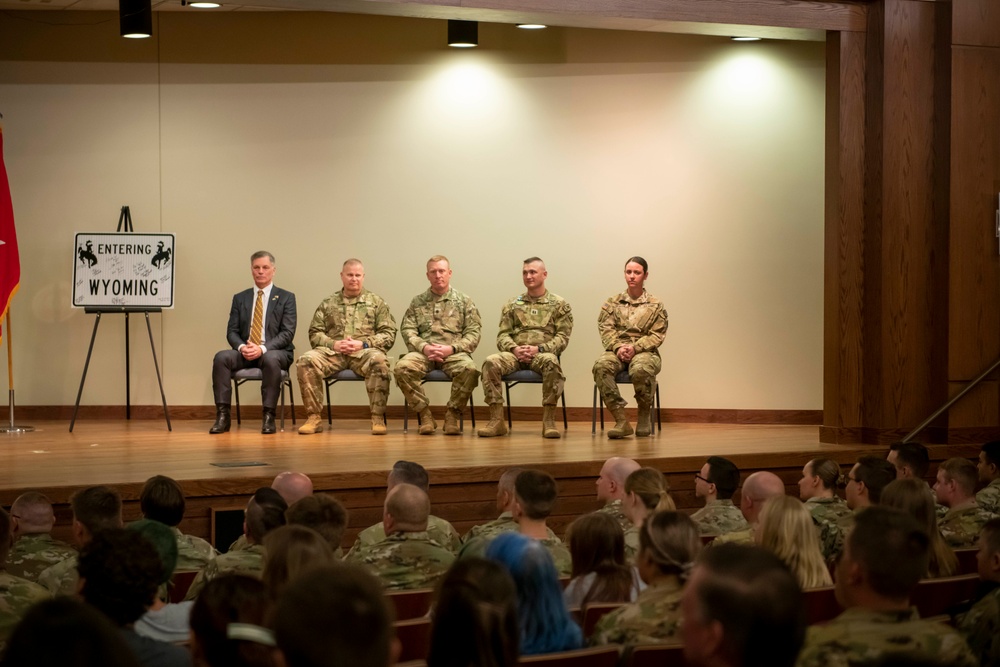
(86, 365)
(159, 380)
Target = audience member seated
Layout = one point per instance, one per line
(229, 624)
(163, 621)
(669, 542)
(981, 625)
(120, 572)
(292, 487)
(741, 607)
(818, 490)
(505, 523)
(600, 573)
(546, 625)
(94, 509)
(290, 552)
(759, 488)
(442, 532)
(324, 514)
(162, 499)
(989, 473)
(17, 595)
(475, 617)
(956, 490)
(913, 497)
(34, 548)
(335, 616)
(865, 482)
(911, 460)
(265, 511)
(407, 557)
(885, 555)
(646, 492)
(86, 638)
(786, 529)
(611, 487)
(716, 482)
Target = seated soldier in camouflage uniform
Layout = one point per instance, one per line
(758, 488)
(911, 460)
(981, 624)
(989, 473)
(407, 558)
(34, 549)
(956, 489)
(646, 492)
(94, 509)
(885, 555)
(162, 499)
(818, 490)
(441, 329)
(324, 514)
(534, 330)
(716, 482)
(351, 329)
(265, 511)
(17, 595)
(632, 325)
(668, 543)
(611, 487)
(505, 523)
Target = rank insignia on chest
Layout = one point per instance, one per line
(534, 311)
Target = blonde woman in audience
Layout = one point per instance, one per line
(291, 551)
(668, 543)
(646, 492)
(787, 530)
(600, 574)
(913, 496)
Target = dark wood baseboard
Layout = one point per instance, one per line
(885, 436)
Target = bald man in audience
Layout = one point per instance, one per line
(758, 488)
(34, 548)
(292, 486)
(17, 595)
(989, 474)
(162, 499)
(716, 482)
(611, 487)
(956, 489)
(505, 523)
(407, 558)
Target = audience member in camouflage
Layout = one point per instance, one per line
(534, 330)
(248, 561)
(818, 490)
(506, 498)
(716, 482)
(61, 578)
(193, 553)
(989, 497)
(441, 329)
(610, 485)
(718, 517)
(981, 624)
(438, 530)
(34, 548)
(17, 595)
(654, 618)
(632, 325)
(961, 526)
(614, 508)
(989, 473)
(955, 488)
(911, 460)
(162, 499)
(351, 329)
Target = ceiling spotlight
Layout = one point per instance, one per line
(202, 5)
(463, 34)
(531, 26)
(135, 18)
(745, 39)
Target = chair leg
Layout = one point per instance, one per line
(236, 392)
(472, 413)
(329, 407)
(659, 408)
(291, 398)
(406, 415)
(593, 415)
(510, 425)
(565, 420)
(282, 406)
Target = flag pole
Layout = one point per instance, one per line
(11, 428)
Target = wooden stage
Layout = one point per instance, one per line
(349, 462)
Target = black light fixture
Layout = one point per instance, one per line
(136, 18)
(463, 34)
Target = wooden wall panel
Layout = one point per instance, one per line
(976, 22)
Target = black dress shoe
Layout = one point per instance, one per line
(267, 425)
(222, 421)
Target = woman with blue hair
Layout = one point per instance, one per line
(546, 626)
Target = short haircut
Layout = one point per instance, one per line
(351, 262)
(638, 260)
(989, 538)
(335, 616)
(992, 452)
(408, 472)
(963, 472)
(758, 602)
(163, 540)
(439, 258)
(162, 500)
(265, 512)
(4, 536)
(533, 259)
(725, 475)
(875, 473)
(120, 573)
(291, 551)
(536, 493)
(891, 547)
(913, 455)
(34, 512)
(321, 512)
(507, 479)
(97, 508)
(409, 507)
(262, 253)
(227, 599)
(827, 470)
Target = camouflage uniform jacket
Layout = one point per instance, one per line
(503, 524)
(737, 537)
(248, 561)
(32, 554)
(193, 553)
(449, 319)
(404, 561)
(365, 317)
(476, 546)
(61, 578)
(654, 617)
(529, 320)
(614, 508)
(560, 555)
(632, 544)
(827, 514)
(860, 637)
(639, 322)
(17, 595)
(981, 627)
(989, 497)
(718, 517)
(961, 526)
(438, 529)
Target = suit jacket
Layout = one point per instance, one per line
(279, 325)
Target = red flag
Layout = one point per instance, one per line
(10, 263)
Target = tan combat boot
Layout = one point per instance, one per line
(314, 424)
(621, 428)
(378, 425)
(549, 429)
(427, 423)
(451, 422)
(645, 426)
(497, 425)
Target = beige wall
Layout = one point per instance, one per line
(320, 137)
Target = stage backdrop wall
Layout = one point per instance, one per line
(321, 137)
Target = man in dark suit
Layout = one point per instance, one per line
(261, 328)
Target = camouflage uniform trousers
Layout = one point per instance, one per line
(411, 369)
(643, 369)
(319, 363)
(502, 363)
(17, 595)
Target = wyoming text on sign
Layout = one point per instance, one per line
(123, 270)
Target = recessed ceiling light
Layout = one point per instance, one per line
(531, 26)
(745, 39)
(205, 5)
